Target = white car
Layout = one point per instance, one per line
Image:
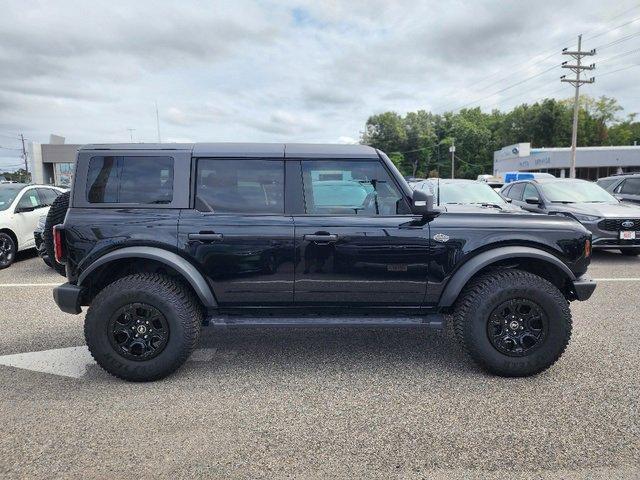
(20, 208)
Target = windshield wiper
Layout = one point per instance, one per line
(563, 201)
(488, 204)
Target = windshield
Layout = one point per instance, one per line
(576, 192)
(7, 195)
(468, 192)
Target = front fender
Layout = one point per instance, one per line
(176, 262)
(484, 259)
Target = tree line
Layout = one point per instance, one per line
(418, 142)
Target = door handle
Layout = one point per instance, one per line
(321, 238)
(206, 237)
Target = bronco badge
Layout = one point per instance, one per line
(441, 237)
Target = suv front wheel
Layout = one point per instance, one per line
(143, 327)
(512, 323)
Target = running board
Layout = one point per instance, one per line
(432, 320)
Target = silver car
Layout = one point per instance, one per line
(614, 225)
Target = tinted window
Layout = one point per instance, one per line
(142, 180)
(350, 188)
(530, 192)
(240, 186)
(631, 186)
(47, 195)
(607, 182)
(516, 191)
(30, 199)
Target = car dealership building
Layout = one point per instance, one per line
(52, 163)
(591, 162)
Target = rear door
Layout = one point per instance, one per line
(238, 234)
(357, 242)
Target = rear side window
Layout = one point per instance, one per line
(47, 195)
(240, 186)
(516, 191)
(631, 186)
(530, 192)
(130, 179)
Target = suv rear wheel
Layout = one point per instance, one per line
(512, 323)
(143, 327)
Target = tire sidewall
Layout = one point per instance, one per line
(553, 344)
(97, 324)
(9, 262)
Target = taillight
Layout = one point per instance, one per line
(58, 248)
(587, 248)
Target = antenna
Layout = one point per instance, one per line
(438, 201)
(158, 122)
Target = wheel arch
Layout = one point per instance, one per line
(531, 259)
(112, 265)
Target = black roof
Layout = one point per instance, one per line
(273, 150)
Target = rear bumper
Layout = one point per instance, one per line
(583, 287)
(67, 297)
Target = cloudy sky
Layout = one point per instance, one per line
(289, 70)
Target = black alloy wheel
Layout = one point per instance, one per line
(138, 331)
(7, 250)
(517, 327)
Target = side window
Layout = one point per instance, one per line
(530, 191)
(607, 182)
(505, 192)
(631, 186)
(47, 195)
(243, 186)
(141, 180)
(516, 191)
(350, 187)
(30, 200)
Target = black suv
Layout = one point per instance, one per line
(161, 239)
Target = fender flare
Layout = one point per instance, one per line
(181, 265)
(477, 263)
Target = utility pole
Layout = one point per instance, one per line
(131, 130)
(24, 156)
(576, 82)
(452, 150)
(158, 123)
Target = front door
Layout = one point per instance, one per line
(357, 242)
(238, 233)
(25, 218)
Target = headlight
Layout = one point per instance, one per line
(585, 218)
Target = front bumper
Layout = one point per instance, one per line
(609, 239)
(67, 297)
(583, 287)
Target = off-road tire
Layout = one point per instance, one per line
(630, 252)
(176, 302)
(8, 256)
(55, 216)
(485, 293)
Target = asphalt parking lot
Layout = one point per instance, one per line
(311, 403)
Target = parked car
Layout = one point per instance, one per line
(21, 206)
(454, 192)
(515, 176)
(493, 181)
(156, 239)
(614, 225)
(625, 187)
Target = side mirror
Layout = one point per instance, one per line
(532, 200)
(422, 203)
(25, 209)
(506, 199)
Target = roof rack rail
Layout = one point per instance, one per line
(625, 173)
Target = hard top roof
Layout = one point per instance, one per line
(269, 150)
